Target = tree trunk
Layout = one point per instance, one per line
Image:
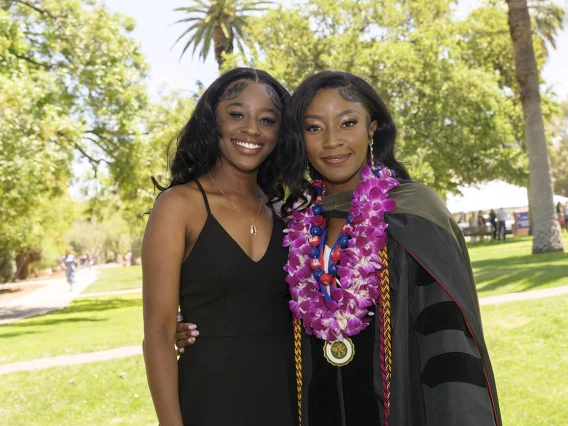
(221, 44)
(547, 235)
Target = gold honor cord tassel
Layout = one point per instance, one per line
(386, 332)
(298, 361)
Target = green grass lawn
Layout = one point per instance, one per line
(528, 345)
(528, 342)
(99, 393)
(89, 324)
(506, 267)
(113, 279)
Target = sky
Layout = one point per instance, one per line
(156, 35)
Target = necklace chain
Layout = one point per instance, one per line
(252, 226)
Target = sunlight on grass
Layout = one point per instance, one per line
(87, 325)
(506, 267)
(99, 393)
(528, 345)
(113, 279)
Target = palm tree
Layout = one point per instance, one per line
(546, 230)
(222, 21)
(547, 19)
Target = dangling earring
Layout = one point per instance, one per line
(308, 173)
(372, 162)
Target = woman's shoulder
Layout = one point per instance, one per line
(413, 196)
(180, 201)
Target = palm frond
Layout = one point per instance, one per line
(190, 19)
(207, 42)
(188, 30)
(202, 3)
(254, 6)
(187, 46)
(191, 9)
(197, 38)
(224, 27)
(238, 27)
(240, 45)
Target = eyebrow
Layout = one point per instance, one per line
(236, 104)
(273, 111)
(348, 111)
(342, 113)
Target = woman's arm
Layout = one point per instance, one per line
(162, 254)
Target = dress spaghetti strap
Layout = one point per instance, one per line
(204, 196)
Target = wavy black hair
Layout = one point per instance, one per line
(353, 89)
(197, 148)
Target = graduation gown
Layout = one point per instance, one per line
(441, 373)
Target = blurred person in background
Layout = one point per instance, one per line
(501, 220)
(493, 221)
(68, 263)
(481, 225)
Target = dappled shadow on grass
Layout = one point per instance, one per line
(495, 243)
(520, 278)
(97, 305)
(79, 311)
(523, 260)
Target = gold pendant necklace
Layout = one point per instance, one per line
(252, 226)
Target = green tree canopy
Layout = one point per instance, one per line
(449, 82)
(72, 85)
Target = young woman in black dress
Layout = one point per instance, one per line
(213, 246)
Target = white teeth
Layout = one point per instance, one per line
(248, 145)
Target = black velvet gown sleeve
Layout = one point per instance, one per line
(442, 374)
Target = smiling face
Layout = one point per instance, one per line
(337, 133)
(249, 125)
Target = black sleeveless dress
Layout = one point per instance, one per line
(240, 371)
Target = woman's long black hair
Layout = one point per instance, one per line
(353, 89)
(197, 148)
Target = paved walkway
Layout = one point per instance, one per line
(59, 361)
(54, 295)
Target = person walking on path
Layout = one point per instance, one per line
(68, 264)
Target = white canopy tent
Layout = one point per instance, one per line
(491, 195)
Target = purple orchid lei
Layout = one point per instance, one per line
(346, 313)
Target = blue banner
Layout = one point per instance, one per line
(523, 220)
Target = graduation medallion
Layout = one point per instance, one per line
(339, 353)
